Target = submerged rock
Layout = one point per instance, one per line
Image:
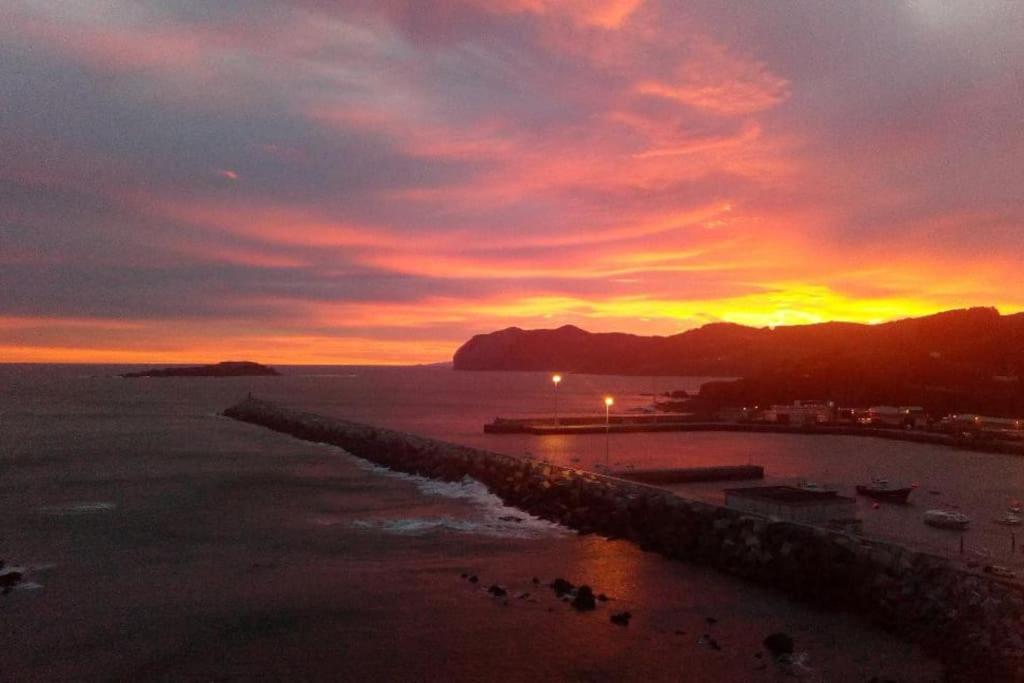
(779, 644)
(497, 591)
(621, 618)
(707, 641)
(561, 587)
(9, 578)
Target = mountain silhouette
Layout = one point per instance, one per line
(960, 360)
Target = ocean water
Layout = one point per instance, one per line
(439, 402)
(160, 541)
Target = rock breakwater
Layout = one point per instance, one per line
(974, 623)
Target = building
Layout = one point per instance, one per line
(793, 504)
(801, 413)
(1007, 428)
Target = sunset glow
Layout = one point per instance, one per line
(375, 182)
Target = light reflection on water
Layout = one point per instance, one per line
(438, 402)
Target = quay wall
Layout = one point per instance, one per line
(525, 426)
(972, 622)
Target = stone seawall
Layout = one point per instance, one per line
(973, 622)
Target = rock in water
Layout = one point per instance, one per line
(561, 587)
(621, 618)
(584, 600)
(779, 644)
(497, 591)
(9, 578)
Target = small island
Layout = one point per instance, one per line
(229, 368)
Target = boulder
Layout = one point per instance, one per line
(584, 600)
(779, 644)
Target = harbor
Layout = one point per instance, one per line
(954, 612)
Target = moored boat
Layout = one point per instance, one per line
(946, 519)
(882, 489)
(808, 485)
(1009, 519)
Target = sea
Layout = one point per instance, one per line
(159, 540)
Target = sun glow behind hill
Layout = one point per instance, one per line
(377, 183)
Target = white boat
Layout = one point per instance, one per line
(946, 519)
(1009, 519)
(808, 485)
(1000, 571)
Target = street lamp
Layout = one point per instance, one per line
(608, 402)
(555, 379)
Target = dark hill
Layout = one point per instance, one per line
(969, 359)
(229, 368)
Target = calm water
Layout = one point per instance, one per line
(162, 542)
(439, 402)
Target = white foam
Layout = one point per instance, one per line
(78, 508)
(27, 586)
(489, 508)
(415, 526)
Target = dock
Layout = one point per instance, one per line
(684, 475)
(590, 424)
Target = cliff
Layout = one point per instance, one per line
(962, 360)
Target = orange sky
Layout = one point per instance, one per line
(376, 182)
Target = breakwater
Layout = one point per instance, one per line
(973, 622)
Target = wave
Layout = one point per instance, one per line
(492, 516)
(77, 508)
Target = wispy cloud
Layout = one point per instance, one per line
(331, 182)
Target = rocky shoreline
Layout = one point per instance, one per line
(970, 621)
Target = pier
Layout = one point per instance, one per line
(687, 422)
(685, 475)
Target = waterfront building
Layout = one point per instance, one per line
(793, 504)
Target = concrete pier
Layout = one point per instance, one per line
(682, 422)
(683, 475)
(973, 622)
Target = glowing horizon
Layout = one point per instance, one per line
(374, 183)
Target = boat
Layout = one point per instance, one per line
(1009, 519)
(808, 485)
(1000, 571)
(1016, 507)
(882, 489)
(946, 519)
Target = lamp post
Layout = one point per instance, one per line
(555, 379)
(608, 401)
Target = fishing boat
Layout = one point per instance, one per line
(882, 489)
(808, 485)
(1000, 571)
(946, 519)
(1009, 519)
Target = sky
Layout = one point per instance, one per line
(375, 181)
